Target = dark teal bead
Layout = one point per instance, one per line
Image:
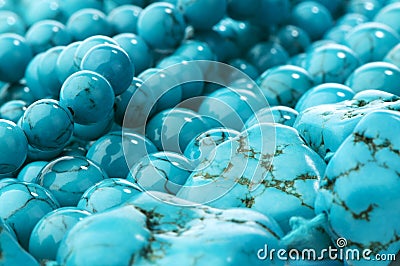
(94, 131)
(195, 50)
(294, 39)
(162, 26)
(65, 65)
(16, 91)
(88, 22)
(30, 171)
(116, 152)
(223, 46)
(88, 96)
(75, 147)
(266, 55)
(46, 34)
(47, 125)
(272, 12)
(68, 177)
(50, 230)
(13, 110)
(202, 14)
(15, 56)
(11, 22)
(122, 101)
(123, 19)
(111, 62)
(47, 71)
(241, 10)
(107, 194)
(245, 67)
(40, 155)
(13, 146)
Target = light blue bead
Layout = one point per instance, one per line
(372, 41)
(202, 14)
(162, 26)
(88, 22)
(266, 55)
(47, 72)
(35, 11)
(368, 8)
(27, 204)
(69, 7)
(297, 60)
(88, 96)
(123, 19)
(294, 39)
(11, 22)
(94, 131)
(111, 62)
(324, 94)
(45, 34)
(110, 5)
(32, 78)
(116, 152)
(50, 230)
(107, 194)
(276, 114)
(14, 57)
(30, 172)
(13, 146)
(68, 177)
(139, 52)
(389, 15)
(13, 110)
(338, 34)
(375, 76)
(351, 19)
(47, 125)
(393, 56)
(65, 65)
(195, 50)
(284, 85)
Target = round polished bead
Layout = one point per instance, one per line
(47, 125)
(338, 34)
(46, 34)
(16, 91)
(312, 17)
(13, 110)
(271, 12)
(111, 62)
(40, 155)
(298, 60)
(295, 40)
(116, 152)
(173, 129)
(351, 19)
(47, 71)
(107, 194)
(88, 22)
(245, 67)
(284, 85)
(110, 5)
(393, 56)
(162, 171)
(137, 49)
(15, 54)
(266, 55)
(331, 63)
(324, 94)
(195, 50)
(68, 177)
(334, 6)
(162, 26)
(69, 7)
(375, 76)
(276, 114)
(75, 147)
(372, 41)
(123, 19)
(10, 22)
(94, 131)
(26, 204)
(35, 11)
(122, 101)
(202, 14)
(65, 65)
(13, 146)
(389, 15)
(368, 8)
(49, 231)
(88, 96)
(30, 172)
(241, 9)
(32, 78)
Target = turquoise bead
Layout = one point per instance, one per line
(45, 34)
(122, 101)
(389, 15)
(50, 230)
(202, 14)
(368, 8)
(284, 85)
(393, 56)
(94, 131)
(351, 19)
(241, 10)
(107, 194)
(69, 7)
(13, 110)
(162, 26)
(16, 91)
(47, 125)
(294, 39)
(68, 177)
(32, 78)
(30, 171)
(272, 12)
(11, 22)
(123, 19)
(88, 22)
(36, 154)
(375, 76)
(15, 56)
(326, 93)
(137, 49)
(116, 152)
(27, 204)
(111, 62)
(35, 11)
(266, 55)
(13, 146)
(338, 34)
(162, 171)
(195, 50)
(372, 41)
(47, 72)
(276, 114)
(65, 65)
(245, 67)
(88, 96)
(75, 147)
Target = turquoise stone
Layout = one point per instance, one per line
(47, 72)
(13, 110)
(30, 171)
(389, 15)
(65, 65)
(123, 19)
(202, 14)
(393, 56)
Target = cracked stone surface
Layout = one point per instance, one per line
(360, 189)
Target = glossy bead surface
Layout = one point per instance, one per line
(34, 11)
(111, 62)
(47, 125)
(202, 14)
(32, 78)
(123, 19)
(13, 146)
(331, 63)
(276, 114)
(272, 12)
(94, 131)
(351, 19)
(27, 204)
(68, 177)
(375, 76)
(284, 85)
(241, 10)
(16, 91)
(14, 57)
(116, 152)
(389, 15)
(393, 56)
(47, 72)
(69, 7)
(266, 55)
(245, 67)
(294, 39)
(139, 52)
(107, 194)
(65, 65)
(372, 41)
(324, 94)
(121, 102)
(88, 96)
(162, 26)
(368, 8)
(10, 22)
(30, 171)
(338, 34)
(13, 110)
(50, 230)
(45, 34)
(195, 50)
(88, 22)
